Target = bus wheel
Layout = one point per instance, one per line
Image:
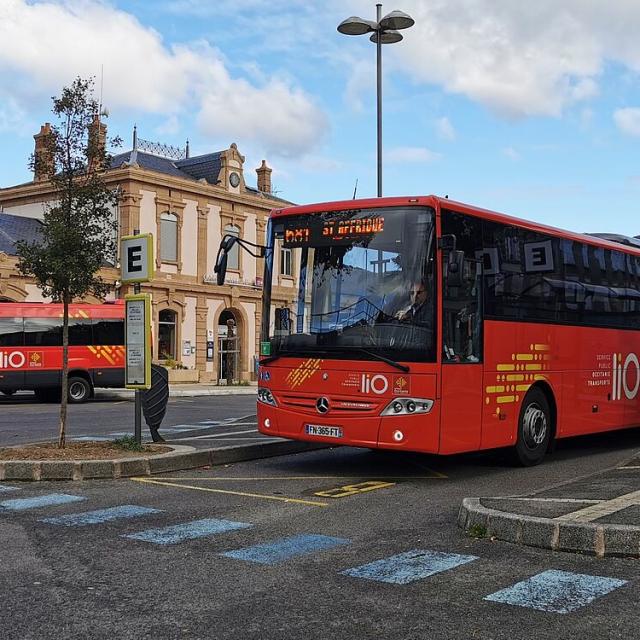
(79, 390)
(534, 429)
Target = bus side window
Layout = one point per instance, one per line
(462, 295)
(11, 332)
(108, 332)
(79, 331)
(43, 332)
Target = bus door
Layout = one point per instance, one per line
(461, 390)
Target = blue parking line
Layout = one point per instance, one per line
(5, 488)
(49, 500)
(100, 516)
(409, 566)
(556, 591)
(284, 549)
(187, 531)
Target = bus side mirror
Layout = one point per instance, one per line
(223, 255)
(455, 268)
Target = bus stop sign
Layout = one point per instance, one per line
(136, 258)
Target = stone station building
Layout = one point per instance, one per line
(188, 204)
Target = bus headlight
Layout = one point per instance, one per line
(265, 396)
(407, 406)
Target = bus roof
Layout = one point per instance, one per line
(107, 310)
(609, 241)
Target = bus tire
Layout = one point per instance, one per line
(79, 390)
(534, 429)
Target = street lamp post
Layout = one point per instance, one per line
(383, 31)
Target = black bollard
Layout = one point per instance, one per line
(154, 400)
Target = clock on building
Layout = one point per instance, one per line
(234, 179)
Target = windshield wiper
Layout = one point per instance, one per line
(315, 352)
(377, 356)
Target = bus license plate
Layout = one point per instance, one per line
(319, 430)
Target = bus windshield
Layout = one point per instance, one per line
(363, 285)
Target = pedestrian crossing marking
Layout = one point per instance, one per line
(556, 591)
(49, 500)
(409, 566)
(284, 549)
(100, 516)
(187, 531)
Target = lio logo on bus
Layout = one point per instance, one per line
(12, 359)
(625, 374)
(18, 360)
(377, 384)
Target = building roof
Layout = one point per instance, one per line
(14, 228)
(205, 167)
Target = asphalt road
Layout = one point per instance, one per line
(195, 421)
(282, 548)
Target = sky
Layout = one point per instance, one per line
(530, 109)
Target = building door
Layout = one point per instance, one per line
(462, 334)
(228, 349)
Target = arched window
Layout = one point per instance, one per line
(169, 237)
(233, 261)
(167, 334)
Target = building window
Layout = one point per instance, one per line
(285, 262)
(169, 237)
(233, 260)
(167, 334)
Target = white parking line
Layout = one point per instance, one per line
(605, 508)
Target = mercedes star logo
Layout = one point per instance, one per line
(322, 405)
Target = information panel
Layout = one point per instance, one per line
(138, 341)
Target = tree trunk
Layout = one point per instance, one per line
(65, 373)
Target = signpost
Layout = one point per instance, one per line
(136, 257)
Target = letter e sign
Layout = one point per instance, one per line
(136, 256)
(538, 256)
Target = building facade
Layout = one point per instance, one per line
(188, 204)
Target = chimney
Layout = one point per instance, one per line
(42, 157)
(264, 178)
(96, 144)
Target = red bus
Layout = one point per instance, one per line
(31, 349)
(423, 324)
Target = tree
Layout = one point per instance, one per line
(79, 228)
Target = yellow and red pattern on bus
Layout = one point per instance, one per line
(32, 358)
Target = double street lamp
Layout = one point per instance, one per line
(383, 31)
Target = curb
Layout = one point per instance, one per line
(182, 457)
(593, 539)
(126, 394)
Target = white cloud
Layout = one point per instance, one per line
(400, 155)
(511, 153)
(52, 42)
(12, 116)
(518, 59)
(444, 129)
(628, 120)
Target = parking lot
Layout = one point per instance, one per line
(336, 542)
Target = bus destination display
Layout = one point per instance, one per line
(318, 233)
